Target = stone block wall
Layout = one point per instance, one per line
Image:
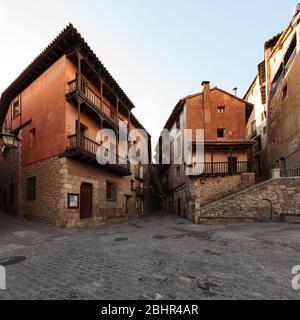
(202, 191)
(276, 199)
(56, 178)
(74, 174)
(47, 207)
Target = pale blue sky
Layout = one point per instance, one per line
(158, 50)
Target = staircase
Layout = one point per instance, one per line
(277, 199)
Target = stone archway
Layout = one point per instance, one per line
(265, 211)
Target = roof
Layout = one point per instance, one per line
(67, 40)
(180, 105)
(250, 88)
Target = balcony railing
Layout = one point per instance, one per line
(290, 173)
(220, 168)
(291, 60)
(285, 69)
(277, 83)
(87, 93)
(90, 148)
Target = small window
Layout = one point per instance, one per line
(221, 133)
(32, 134)
(111, 191)
(284, 92)
(16, 108)
(221, 109)
(31, 188)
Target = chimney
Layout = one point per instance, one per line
(235, 91)
(206, 86)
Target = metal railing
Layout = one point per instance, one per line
(290, 61)
(91, 147)
(290, 173)
(221, 168)
(93, 98)
(277, 83)
(285, 69)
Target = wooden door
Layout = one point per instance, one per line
(232, 165)
(86, 201)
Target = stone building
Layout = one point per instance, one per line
(225, 168)
(283, 74)
(59, 104)
(277, 93)
(257, 123)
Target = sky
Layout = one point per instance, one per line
(158, 51)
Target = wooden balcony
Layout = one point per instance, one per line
(87, 149)
(221, 168)
(91, 102)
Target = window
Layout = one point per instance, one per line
(221, 109)
(284, 92)
(16, 108)
(111, 191)
(32, 134)
(221, 133)
(31, 188)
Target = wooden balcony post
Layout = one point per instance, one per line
(101, 94)
(78, 125)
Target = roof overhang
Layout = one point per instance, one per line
(67, 41)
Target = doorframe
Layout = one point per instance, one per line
(92, 201)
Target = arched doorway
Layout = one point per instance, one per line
(265, 213)
(86, 201)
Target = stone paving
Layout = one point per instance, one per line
(155, 257)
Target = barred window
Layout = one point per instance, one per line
(111, 191)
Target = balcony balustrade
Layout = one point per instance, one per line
(88, 149)
(220, 168)
(92, 99)
(276, 84)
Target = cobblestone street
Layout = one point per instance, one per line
(156, 257)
